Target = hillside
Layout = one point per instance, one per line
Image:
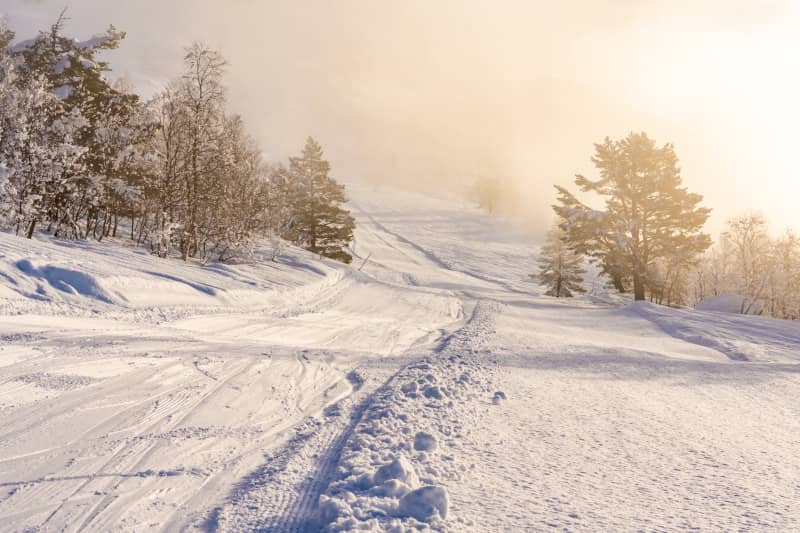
(429, 378)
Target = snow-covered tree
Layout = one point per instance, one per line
(120, 160)
(79, 153)
(782, 299)
(38, 151)
(763, 272)
(161, 222)
(648, 215)
(317, 222)
(747, 235)
(202, 95)
(237, 204)
(75, 115)
(559, 267)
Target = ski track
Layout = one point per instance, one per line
(308, 397)
(282, 499)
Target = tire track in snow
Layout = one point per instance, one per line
(295, 509)
(278, 498)
(131, 454)
(142, 459)
(266, 502)
(300, 517)
(455, 372)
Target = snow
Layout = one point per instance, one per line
(428, 387)
(424, 504)
(424, 442)
(62, 92)
(399, 470)
(100, 39)
(729, 303)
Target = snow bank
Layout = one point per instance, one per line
(64, 280)
(395, 466)
(424, 504)
(729, 303)
(739, 337)
(298, 301)
(35, 274)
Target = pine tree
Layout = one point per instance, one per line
(559, 267)
(317, 222)
(648, 216)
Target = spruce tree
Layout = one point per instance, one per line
(317, 222)
(648, 215)
(559, 267)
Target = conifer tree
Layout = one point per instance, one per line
(648, 215)
(317, 222)
(559, 267)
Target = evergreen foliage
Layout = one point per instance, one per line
(560, 268)
(648, 217)
(79, 154)
(317, 222)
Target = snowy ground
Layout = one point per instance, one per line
(433, 389)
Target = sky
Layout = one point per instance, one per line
(436, 94)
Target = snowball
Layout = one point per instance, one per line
(409, 388)
(424, 442)
(400, 469)
(391, 489)
(498, 397)
(433, 392)
(424, 503)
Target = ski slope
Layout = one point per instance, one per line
(430, 386)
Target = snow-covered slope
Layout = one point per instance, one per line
(428, 386)
(70, 275)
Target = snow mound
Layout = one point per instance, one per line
(729, 303)
(424, 503)
(64, 280)
(739, 337)
(424, 442)
(398, 470)
(83, 276)
(392, 474)
(433, 392)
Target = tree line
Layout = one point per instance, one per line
(648, 239)
(84, 157)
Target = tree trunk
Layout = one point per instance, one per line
(32, 226)
(616, 280)
(638, 286)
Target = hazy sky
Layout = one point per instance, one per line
(441, 91)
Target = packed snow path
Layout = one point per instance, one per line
(432, 389)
